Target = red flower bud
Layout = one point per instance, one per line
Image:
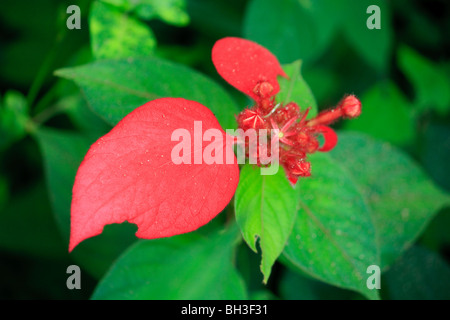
(303, 169)
(296, 168)
(351, 107)
(263, 90)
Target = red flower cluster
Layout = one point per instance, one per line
(254, 70)
(297, 136)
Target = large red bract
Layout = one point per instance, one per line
(128, 175)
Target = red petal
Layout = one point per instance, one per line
(330, 137)
(128, 175)
(244, 63)
(293, 180)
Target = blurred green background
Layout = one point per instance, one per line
(401, 73)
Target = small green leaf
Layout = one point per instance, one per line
(431, 84)
(295, 89)
(116, 34)
(386, 114)
(63, 153)
(115, 88)
(402, 198)
(265, 209)
(188, 266)
(333, 238)
(13, 118)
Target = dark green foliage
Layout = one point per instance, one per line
(381, 197)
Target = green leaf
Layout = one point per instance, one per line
(288, 31)
(402, 198)
(170, 11)
(27, 225)
(115, 88)
(296, 286)
(431, 84)
(386, 114)
(327, 16)
(265, 209)
(13, 118)
(366, 203)
(63, 153)
(420, 274)
(294, 29)
(115, 34)
(436, 236)
(374, 45)
(435, 154)
(263, 294)
(248, 262)
(83, 117)
(187, 266)
(333, 238)
(294, 88)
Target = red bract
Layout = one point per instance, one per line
(253, 70)
(247, 66)
(128, 175)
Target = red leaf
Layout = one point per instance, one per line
(244, 64)
(128, 175)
